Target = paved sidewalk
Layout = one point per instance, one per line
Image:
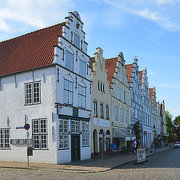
(85, 166)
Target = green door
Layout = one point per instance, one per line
(75, 147)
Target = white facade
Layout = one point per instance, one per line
(60, 127)
(147, 111)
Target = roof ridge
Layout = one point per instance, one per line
(1, 42)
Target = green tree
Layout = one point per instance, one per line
(176, 123)
(137, 128)
(169, 125)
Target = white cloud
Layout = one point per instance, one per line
(36, 13)
(165, 13)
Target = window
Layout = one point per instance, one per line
(75, 127)
(4, 138)
(124, 96)
(82, 68)
(76, 40)
(63, 134)
(82, 96)
(116, 113)
(32, 93)
(107, 112)
(85, 133)
(95, 108)
(101, 111)
(122, 114)
(69, 60)
(127, 116)
(68, 92)
(122, 77)
(39, 134)
(118, 93)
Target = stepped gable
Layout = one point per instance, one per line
(141, 76)
(151, 94)
(29, 51)
(129, 71)
(110, 65)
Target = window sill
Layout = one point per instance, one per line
(63, 149)
(85, 146)
(35, 149)
(5, 149)
(32, 104)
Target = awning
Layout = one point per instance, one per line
(121, 133)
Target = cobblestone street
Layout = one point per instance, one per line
(165, 165)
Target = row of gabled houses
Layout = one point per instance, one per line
(75, 105)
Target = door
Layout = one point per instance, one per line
(75, 147)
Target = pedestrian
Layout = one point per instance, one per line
(134, 146)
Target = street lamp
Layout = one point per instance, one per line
(154, 131)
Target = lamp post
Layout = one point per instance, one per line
(154, 131)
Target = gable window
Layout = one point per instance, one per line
(85, 133)
(69, 60)
(82, 68)
(76, 40)
(4, 138)
(95, 108)
(101, 111)
(122, 114)
(127, 116)
(82, 96)
(116, 113)
(124, 96)
(39, 133)
(32, 93)
(75, 127)
(63, 134)
(107, 112)
(68, 92)
(118, 93)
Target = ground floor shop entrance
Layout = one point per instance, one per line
(75, 147)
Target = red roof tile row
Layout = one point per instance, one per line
(29, 51)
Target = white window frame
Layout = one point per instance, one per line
(76, 40)
(75, 127)
(4, 138)
(101, 108)
(116, 113)
(107, 111)
(68, 91)
(127, 116)
(95, 108)
(85, 133)
(40, 133)
(118, 93)
(63, 134)
(69, 60)
(81, 96)
(82, 68)
(122, 114)
(33, 93)
(124, 96)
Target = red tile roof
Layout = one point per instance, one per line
(141, 75)
(29, 51)
(110, 65)
(151, 94)
(129, 71)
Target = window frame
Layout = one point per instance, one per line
(85, 134)
(81, 96)
(76, 40)
(82, 68)
(64, 134)
(101, 108)
(32, 93)
(40, 134)
(75, 127)
(69, 91)
(95, 112)
(69, 64)
(116, 113)
(3, 139)
(107, 111)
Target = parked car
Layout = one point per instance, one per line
(177, 145)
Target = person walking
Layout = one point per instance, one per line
(134, 146)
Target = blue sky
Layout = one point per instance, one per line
(147, 29)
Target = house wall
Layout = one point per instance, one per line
(14, 110)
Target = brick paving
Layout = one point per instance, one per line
(85, 166)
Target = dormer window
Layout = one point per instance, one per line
(76, 40)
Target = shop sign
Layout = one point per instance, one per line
(101, 122)
(141, 155)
